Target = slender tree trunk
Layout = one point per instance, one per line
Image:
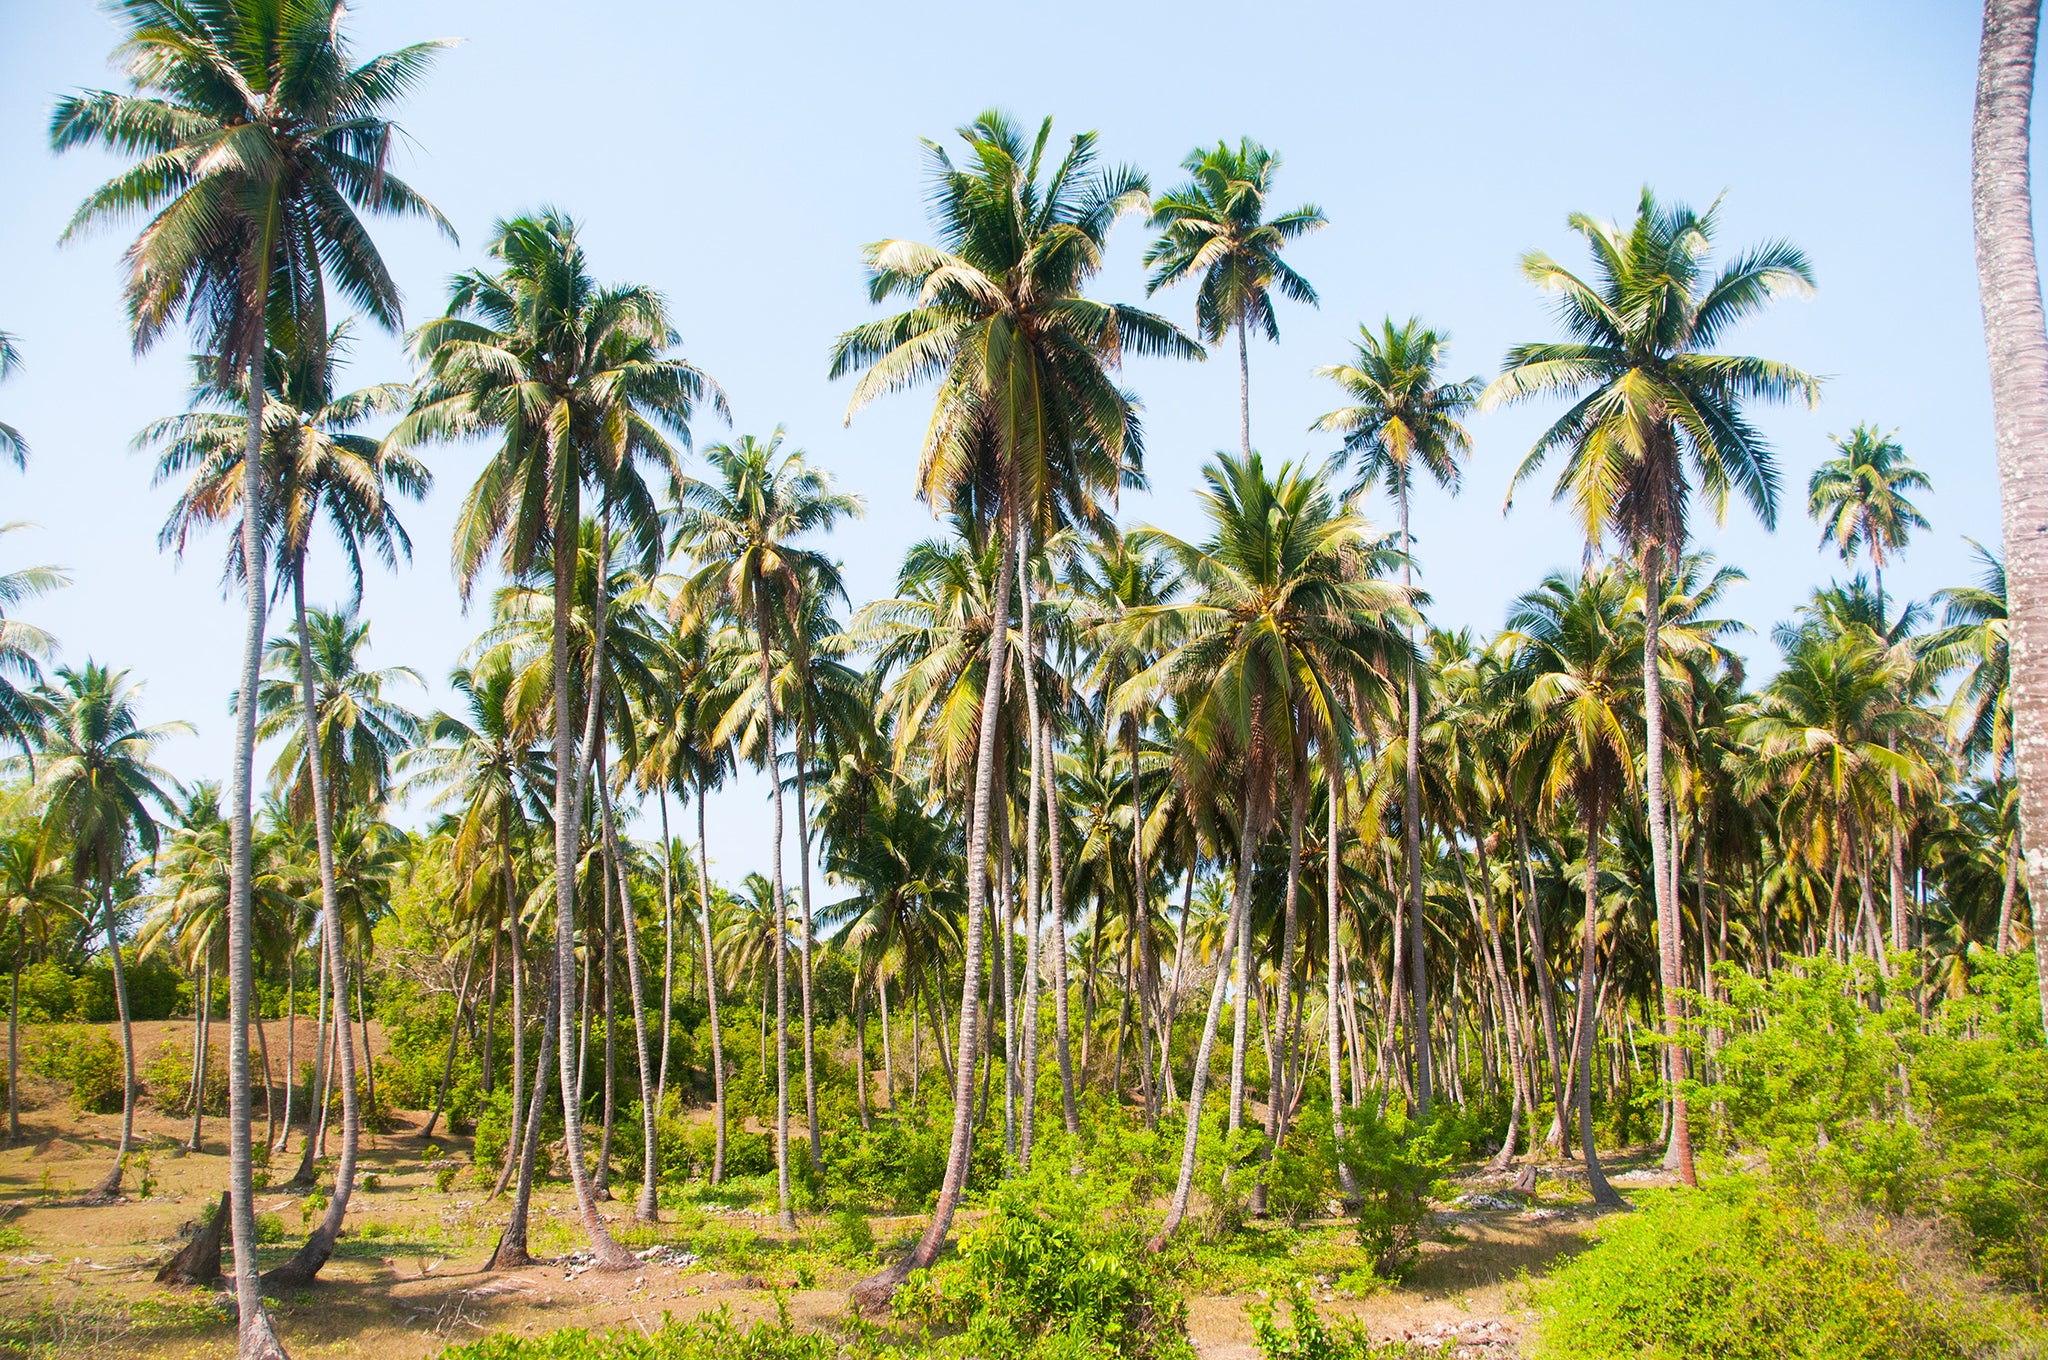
(803, 841)
(601, 1182)
(711, 992)
(1006, 898)
(518, 952)
(316, 1088)
(510, 1253)
(305, 1264)
(647, 1210)
(109, 1188)
(369, 1065)
(199, 1037)
(668, 950)
(1056, 895)
(888, 1058)
(1678, 1157)
(875, 1292)
(1546, 991)
(1277, 1085)
(569, 805)
(454, 1038)
(2011, 893)
(1027, 1139)
(256, 1340)
(14, 1052)
(1177, 1209)
(2009, 281)
(291, 1043)
(1333, 864)
(785, 1213)
(1411, 840)
(1596, 1180)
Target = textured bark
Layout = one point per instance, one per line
(784, 1212)
(1596, 1180)
(2009, 282)
(1678, 1156)
(1411, 844)
(197, 1264)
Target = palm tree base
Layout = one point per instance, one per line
(108, 1191)
(872, 1296)
(305, 1263)
(509, 1254)
(259, 1340)
(197, 1264)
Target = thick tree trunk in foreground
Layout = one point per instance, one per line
(2009, 282)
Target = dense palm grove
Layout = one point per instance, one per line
(1093, 803)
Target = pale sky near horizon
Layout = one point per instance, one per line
(738, 156)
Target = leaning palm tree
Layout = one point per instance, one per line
(23, 648)
(1575, 679)
(318, 471)
(2009, 283)
(1404, 416)
(1288, 622)
(102, 789)
(258, 143)
(1214, 227)
(741, 529)
(1029, 424)
(1656, 415)
(578, 385)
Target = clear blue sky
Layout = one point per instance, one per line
(738, 156)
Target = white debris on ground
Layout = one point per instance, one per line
(672, 1256)
(1486, 1201)
(1539, 1215)
(1641, 1173)
(1477, 1339)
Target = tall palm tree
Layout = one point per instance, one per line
(258, 143)
(1404, 416)
(1575, 678)
(102, 790)
(23, 648)
(1656, 415)
(318, 470)
(1029, 425)
(2009, 284)
(1214, 227)
(578, 385)
(1288, 621)
(742, 531)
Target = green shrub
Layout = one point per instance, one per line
(1302, 1175)
(714, 1336)
(1054, 1269)
(168, 1078)
(1396, 1171)
(87, 1062)
(46, 993)
(1307, 1337)
(1738, 1272)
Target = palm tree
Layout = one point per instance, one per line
(741, 530)
(577, 383)
(1029, 424)
(1214, 226)
(23, 648)
(1655, 415)
(362, 732)
(1404, 416)
(1287, 623)
(35, 891)
(12, 445)
(1977, 636)
(1575, 677)
(101, 789)
(2009, 283)
(258, 144)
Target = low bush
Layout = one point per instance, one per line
(1306, 1336)
(84, 1061)
(714, 1336)
(1396, 1170)
(1744, 1273)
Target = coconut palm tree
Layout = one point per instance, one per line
(102, 790)
(1029, 426)
(1656, 415)
(1404, 416)
(1288, 621)
(258, 143)
(1575, 677)
(578, 384)
(1214, 227)
(1859, 499)
(2009, 284)
(36, 891)
(362, 732)
(741, 529)
(23, 648)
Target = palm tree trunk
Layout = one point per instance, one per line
(1056, 890)
(1596, 1180)
(110, 1187)
(569, 804)
(1332, 1039)
(199, 1036)
(454, 1038)
(1006, 898)
(647, 1209)
(1244, 393)
(2011, 893)
(1034, 822)
(668, 949)
(803, 841)
(785, 1213)
(1277, 1079)
(1411, 838)
(305, 1264)
(1546, 990)
(291, 1042)
(2009, 281)
(518, 960)
(1148, 970)
(14, 1051)
(602, 1181)
(1678, 1156)
(1172, 1008)
(316, 1090)
(369, 1066)
(257, 1341)
(510, 1253)
(888, 1058)
(875, 1291)
(1198, 1083)
(711, 992)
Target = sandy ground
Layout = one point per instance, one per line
(406, 1280)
